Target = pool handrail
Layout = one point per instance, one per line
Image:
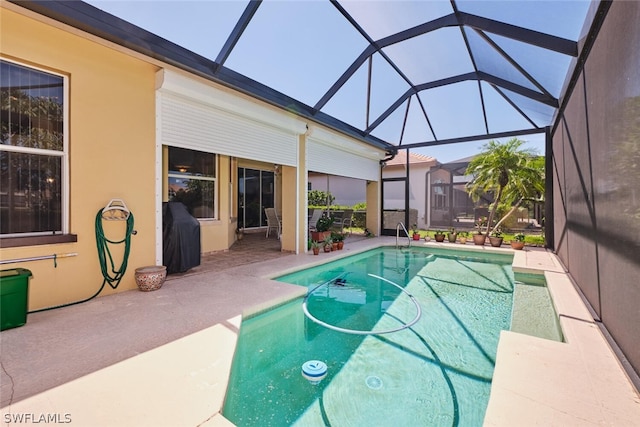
(401, 224)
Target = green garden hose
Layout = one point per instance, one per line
(111, 274)
(114, 276)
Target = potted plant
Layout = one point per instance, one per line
(323, 227)
(452, 235)
(315, 247)
(439, 236)
(462, 237)
(427, 238)
(496, 238)
(338, 238)
(416, 235)
(327, 243)
(478, 237)
(518, 242)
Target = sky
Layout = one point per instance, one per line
(302, 47)
(452, 152)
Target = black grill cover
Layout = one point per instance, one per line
(180, 238)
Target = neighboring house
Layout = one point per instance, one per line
(437, 194)
(449, 204)
(112, 124)
(394, 191)
(346, 191)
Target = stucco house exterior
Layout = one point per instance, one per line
(419, 167)
(133, 128)
(345, 190)
(449, 204)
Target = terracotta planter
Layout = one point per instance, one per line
(316, 251)
(496, 242)
(340, 245)
(479, 239)
(334, 246)
(463, 240)
(319, 236)
(439, 237)
(416, 236)
(518, 246)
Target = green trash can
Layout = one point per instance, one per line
(14, 297)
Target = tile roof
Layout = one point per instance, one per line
(414, 158)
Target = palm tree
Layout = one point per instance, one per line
(507, 170)
(527, 184)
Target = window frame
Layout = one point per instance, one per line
(45, 237)
(213, 179)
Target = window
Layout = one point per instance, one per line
(33, 151)
(192, 181)
(439, 192)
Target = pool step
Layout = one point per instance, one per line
(533, 312)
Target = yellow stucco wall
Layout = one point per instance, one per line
(289, 211)
(303, 180)
(373, 207)
(217, 235)
(111, 151)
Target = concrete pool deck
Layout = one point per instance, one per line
(163, 358)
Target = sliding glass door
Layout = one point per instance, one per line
(255, 193)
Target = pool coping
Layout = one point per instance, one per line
(536, 381)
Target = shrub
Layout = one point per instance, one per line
(337, 237)
(324, 223)
(319, 198)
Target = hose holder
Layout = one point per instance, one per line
(116, 210)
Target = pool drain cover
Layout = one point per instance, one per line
(373, 382)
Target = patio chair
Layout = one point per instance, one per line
(273, 221)
(342, 221)
(313, 220)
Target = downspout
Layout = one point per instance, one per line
(390, 156)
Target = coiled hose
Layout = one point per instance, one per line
(114, 276)
(111, 274)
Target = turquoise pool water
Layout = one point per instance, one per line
(533, 311)
(435, 373)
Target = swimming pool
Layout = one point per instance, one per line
(436, 372)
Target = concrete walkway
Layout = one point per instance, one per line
(163, 358)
